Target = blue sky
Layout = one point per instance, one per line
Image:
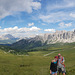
(27, 18)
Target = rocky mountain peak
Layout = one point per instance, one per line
(58, 36)
(9, 36)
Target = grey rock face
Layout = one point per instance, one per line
(44, 39)
(58, 36)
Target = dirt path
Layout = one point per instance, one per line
(50, 53)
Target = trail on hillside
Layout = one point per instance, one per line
(50, 53)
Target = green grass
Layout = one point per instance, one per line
(36, 63)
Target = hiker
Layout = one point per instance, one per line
(53, 66)
(61, 66)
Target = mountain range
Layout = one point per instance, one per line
(45, 39)
(7, 39)
(59, 36)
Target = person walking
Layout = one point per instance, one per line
(53, 66)
(61, 65)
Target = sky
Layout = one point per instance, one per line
(27, 18)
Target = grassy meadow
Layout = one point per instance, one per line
(35, 63)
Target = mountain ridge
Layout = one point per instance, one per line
(45, 39)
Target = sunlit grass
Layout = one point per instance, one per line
(36, 63)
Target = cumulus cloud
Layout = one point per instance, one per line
(61, 24)
(34, 29)
(64, 25)
(72, 15)
(56, 17)
(30, 24)
(58, 11)
(9, 7)
(50, 30)
(68, 25)
(15, 30)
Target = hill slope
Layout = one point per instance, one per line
(36, 63)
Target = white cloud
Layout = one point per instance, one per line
(68, 25)
(58, 11)
(55, 17)
(9, 7)
(30, 24)
(20, 32)
(63, 4)
(72, 15)
(15, 30)
(34, 29)
(63, 25)
(50, 30)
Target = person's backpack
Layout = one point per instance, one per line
(62, 60)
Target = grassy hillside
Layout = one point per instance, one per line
(26, 44)
(35, 63)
